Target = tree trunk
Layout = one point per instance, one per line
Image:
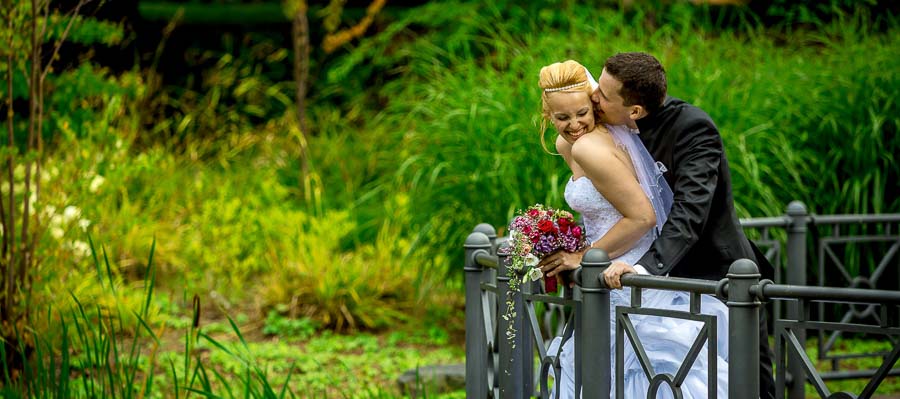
(6, 270)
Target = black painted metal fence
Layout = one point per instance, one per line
(498, 367)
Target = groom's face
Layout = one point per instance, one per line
(611, 108)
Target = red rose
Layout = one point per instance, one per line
(550, 284)
(533, 213)
(545, 225)
(564, 225)
(576, 231)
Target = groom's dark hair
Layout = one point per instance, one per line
(643, 79)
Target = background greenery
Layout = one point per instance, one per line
(418, 131)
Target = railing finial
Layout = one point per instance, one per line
(796, 208)
(477, 240)
(743, 268)
(595, 257)
(486, 229)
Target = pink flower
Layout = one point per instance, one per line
(576, 231)
(527, 231)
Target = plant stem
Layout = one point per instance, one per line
(300, 29)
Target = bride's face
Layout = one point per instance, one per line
(571, 113)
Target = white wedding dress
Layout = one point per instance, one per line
(665, 340)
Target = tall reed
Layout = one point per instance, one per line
(113, 351)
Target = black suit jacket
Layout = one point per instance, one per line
(702, 235)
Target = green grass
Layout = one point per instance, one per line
(890, 385)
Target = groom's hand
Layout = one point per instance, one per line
(613, 274)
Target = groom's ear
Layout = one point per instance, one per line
(637, 112)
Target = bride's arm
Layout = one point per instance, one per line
(565, 149)
(615, 181)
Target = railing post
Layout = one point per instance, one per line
(476, 342)
(511, 379)
(796, 275)
(596, 365)
(525, 342)
(490, 275)
(743, 331)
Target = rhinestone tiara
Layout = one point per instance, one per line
(572, 86)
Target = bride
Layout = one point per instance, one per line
(619, 191)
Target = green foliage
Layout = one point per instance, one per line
(100, 342)
(853, 346)
(793, 14)
(278, 324)
(463, 112)
(426, 128)
(85, 30)
(113, 350)
(242, 86)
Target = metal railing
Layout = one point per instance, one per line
(499, 367)
(833, 242)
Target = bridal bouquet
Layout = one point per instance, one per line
(537, 232)
(533, 234)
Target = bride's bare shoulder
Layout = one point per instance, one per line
(592, 145)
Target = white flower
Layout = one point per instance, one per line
(531, 260)
(70, 213)
(57, 232)
(533, 274)
(81, 248)
(96, 182)
(84, 223)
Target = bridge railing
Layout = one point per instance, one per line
(499, 367)
(858, 251)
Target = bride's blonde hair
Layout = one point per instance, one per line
(566, 76)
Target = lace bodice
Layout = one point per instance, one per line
(599, 216)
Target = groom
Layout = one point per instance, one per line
(702, 235)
